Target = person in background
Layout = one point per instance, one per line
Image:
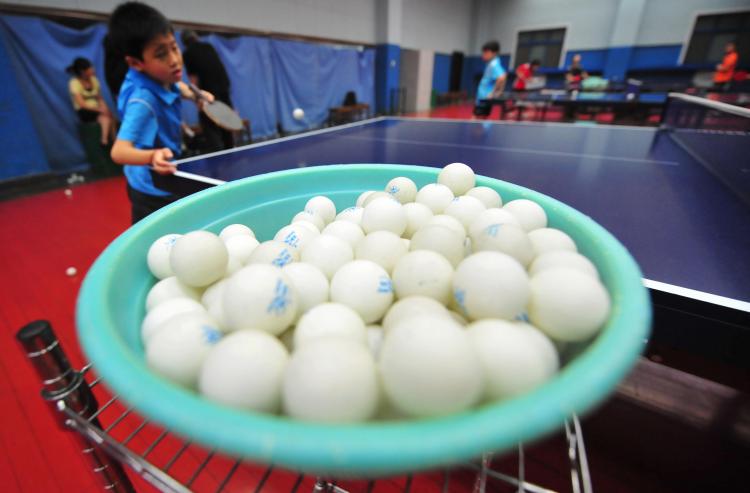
(575, 75)
(524, 73)
(205, 69)
(148, 102)
(725, 70)
(493, 80)
(86, 96)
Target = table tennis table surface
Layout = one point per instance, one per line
(687, 230)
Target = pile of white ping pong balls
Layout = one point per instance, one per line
(413, 303)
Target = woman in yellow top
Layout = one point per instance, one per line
(86, 95)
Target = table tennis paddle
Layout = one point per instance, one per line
(219, 113)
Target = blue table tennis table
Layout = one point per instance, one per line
(687, 229)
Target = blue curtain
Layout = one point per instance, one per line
(269, 79)
(317, 77)
(248, 62)
(21, 154)
(39, 51)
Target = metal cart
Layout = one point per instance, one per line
(112, 436)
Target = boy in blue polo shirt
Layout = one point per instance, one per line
(493, 79)
(148, 103)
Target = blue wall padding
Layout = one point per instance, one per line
(441, 73)
(387, 74)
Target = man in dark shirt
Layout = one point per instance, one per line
(576, 74)
(206, 71)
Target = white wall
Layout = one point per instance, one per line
(671, 21)
(589, 22)
(416, 77)
(439, 25)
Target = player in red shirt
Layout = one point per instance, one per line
(524, 73)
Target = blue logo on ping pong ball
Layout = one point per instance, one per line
(385, 285)
(281, 299)
(210, 334)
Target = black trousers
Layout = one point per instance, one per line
(143, 204)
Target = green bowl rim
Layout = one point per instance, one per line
(379, 447)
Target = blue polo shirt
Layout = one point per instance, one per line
(151, 115)
(493, 70)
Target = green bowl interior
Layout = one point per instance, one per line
(111, 307)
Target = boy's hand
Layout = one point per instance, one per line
(160, 161)
(207, 98)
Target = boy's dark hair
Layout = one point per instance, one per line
(132, 25)
(535, 62)
(492, 46)
(78, 66)
(189, 37)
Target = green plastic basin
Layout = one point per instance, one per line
(111, 306)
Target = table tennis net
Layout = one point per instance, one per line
(715, 133)
(714, 112)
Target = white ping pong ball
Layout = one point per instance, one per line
(413, 306)
(259, 297)
(298, 113)
(435, 196)
(504, 238)
(402, 189)
(322, 206)
(417, 216)
(489, 217)
(165, 311)
(351, 214)
(439, 239)
(384, 214)
(549, 240)
(241, 247)
(212, 301)
(375, 336)
(563, 258)
(377, 195)
(466, 209)
(328, 253)
(429, 368)
(199, 258)
(273, 252)
(423, 273)
(331, 381)
(449, 222)
(178, 350)
(245, 370)
(307, 224)
(489, 197)
(458, 177)
(310, 283)
(348, 231)
(296, 235)
(362, 197)
(158, 256)
(490, 285)
(311, 217)
(567, 304)
(382, 247)
(529, 214)
(330, 320)
(458, 318)
(365, 287)
(515, 358)
(235, 230)
(168, 289)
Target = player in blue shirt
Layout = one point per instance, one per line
(149, 102)
(493, 80)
